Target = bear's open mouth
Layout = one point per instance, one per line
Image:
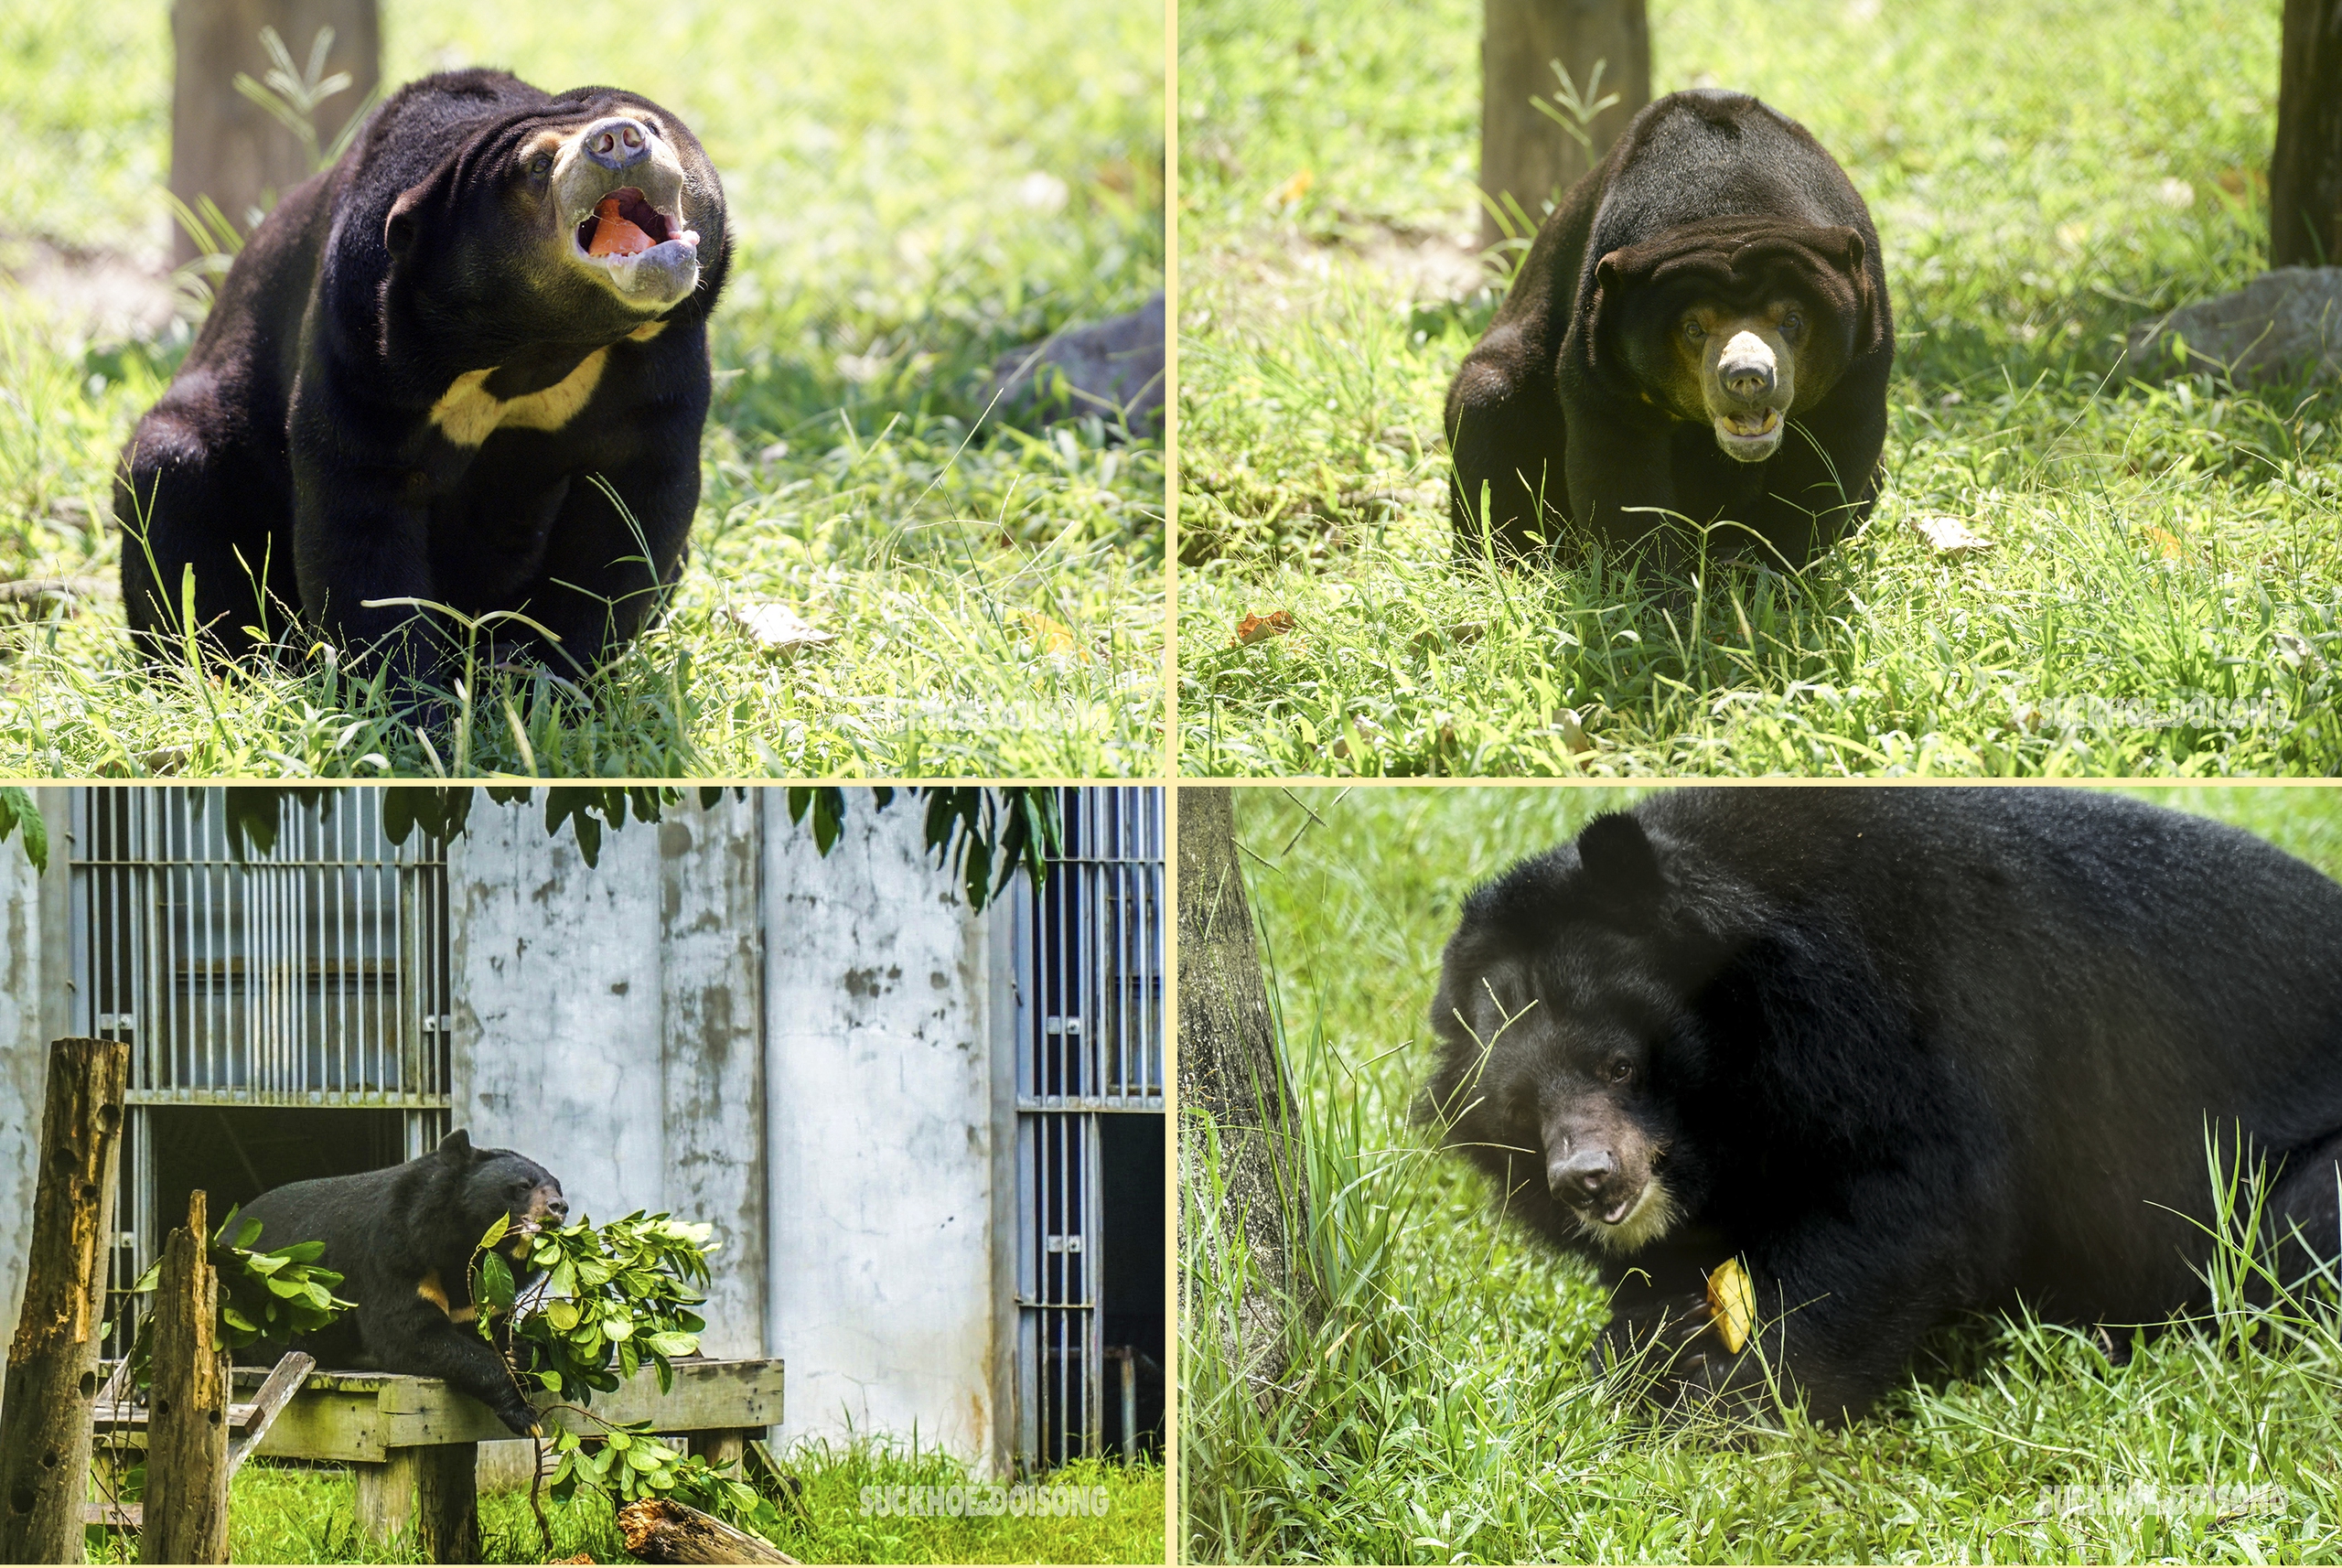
(1750, 426)
(624, 223)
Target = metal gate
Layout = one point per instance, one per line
(309, 974)
(1087, 948)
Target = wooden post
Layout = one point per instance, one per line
(722, 1449)
(53, 1362)
(185, 1517)
(430, 1495)
(1524, 153)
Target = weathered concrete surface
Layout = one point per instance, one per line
(1112, 368)
(605, 1024)
(879, 1087)
(2276, 326)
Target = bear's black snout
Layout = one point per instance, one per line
(616, 143)
(1580, 1178)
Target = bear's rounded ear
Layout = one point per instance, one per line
(398, 229)
(458, 1143)
(1621, 867)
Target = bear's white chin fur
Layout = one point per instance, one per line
(1652, 1217)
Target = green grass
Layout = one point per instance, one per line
(1441, 1413)
(283, 1514)
(913, 190)
(2163, 594)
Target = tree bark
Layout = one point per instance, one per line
(2306, 174)
(185, 1517)
(224, 144)
(1524, 154)
(53, 1362)
(659, 1529)
(1234, 1091)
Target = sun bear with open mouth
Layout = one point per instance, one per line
(467, 366)
(1700, 329)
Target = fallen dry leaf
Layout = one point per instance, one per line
(1573, 731)
(1053, 636)
(2168, 545)
(1260, 629)
(1296, 188)
(1949, 537)
(777, 628)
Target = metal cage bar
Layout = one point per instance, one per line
(313, 974)
(1087, 950)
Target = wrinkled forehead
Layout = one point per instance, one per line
(1589, 985)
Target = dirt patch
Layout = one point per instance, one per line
(102, 296)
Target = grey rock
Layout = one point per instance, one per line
(2280, 324)
(1112, 368)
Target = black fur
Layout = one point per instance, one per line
(401, 1236)
(1558, 412)
(296, 452)
(1906, 1053)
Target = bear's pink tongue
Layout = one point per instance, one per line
(613, 235)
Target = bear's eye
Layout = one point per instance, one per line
(542, 165)
(1693, 330)
(1621, 1070)
(1792, 322)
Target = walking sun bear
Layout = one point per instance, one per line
(418, 376)
(1701, 329)
(1905, 1054)
(403, 1240)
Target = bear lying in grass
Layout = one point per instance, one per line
(418, 378)
(1904, 1054)
(403, 1240)
(1701, 329)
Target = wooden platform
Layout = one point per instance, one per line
(408, 1438)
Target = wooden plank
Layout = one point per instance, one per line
(360, 1419)
(284, 1381)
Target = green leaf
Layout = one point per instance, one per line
(670, 1343)
(561, 1314)
(494, 1282)
(495, 1231)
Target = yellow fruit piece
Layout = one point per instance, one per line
(1732, 1304)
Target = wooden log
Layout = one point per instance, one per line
(659, 1529)
(186, 1424)
(52, 1378)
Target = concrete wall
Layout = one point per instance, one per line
(879, 1093)
(605, 1024)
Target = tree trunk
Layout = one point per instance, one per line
(659, 1529)
(185, 1517)
(1232, 1079)
(2306, 175)
(1524, 154)
(53, 1362)
(224, 144)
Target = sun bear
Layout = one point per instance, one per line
(1702, 329)
(403, 1240)
(466, 366)
(1905, 1054)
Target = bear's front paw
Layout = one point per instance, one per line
(523, 1421)
(1673, 1355)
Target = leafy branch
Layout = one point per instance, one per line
(277, 1294)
